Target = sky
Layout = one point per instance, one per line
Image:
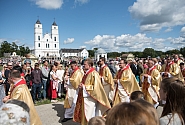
(114, 25)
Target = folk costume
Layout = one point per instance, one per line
(53, 86)
(92, 100)
(173, 71)
(107, 81)
(71, 95)
(127, 83)
(20, 92)
(150, 84)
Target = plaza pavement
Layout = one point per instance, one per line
(52, 114)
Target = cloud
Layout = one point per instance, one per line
(156, 14)
(48, 4)
(106, 42)
(169, 29)
(137, 42)
(183, 32)
(82, 47)
(69, 40)
(82, 1)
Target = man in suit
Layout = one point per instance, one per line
(137, 70)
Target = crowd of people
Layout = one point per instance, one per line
(114, 92)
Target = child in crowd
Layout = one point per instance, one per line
(136, 95)
(97, 120)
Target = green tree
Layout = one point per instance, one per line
(5, 48)
(14, 47)
(113, 54)
(27, 50)
(159, 53)
(22, 50)
(182, 51)
(91, 53)
(148, 52)
(137, 54)
(171, 52)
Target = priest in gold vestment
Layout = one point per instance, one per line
(92, 100)
(171, 69)
(126, 83)
(106, 79)
(151, 79)
(177, 60)
(157, 65)
(20, 92)
(71, 95)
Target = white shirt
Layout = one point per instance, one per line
(169, 120)
(60, 74)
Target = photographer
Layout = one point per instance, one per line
(28, 69)
(6, 75)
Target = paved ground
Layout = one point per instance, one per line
(52, 114)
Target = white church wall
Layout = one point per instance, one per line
(46, 46)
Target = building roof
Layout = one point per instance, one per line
(54, 23)
(100, 50)
(38, 22)
(71, 50)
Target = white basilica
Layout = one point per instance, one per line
(47, 45)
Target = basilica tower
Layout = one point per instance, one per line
(37, 37)
(46, 45)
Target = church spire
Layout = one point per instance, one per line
(54, 23)
(38, 21)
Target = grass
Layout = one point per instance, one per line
(47, 101)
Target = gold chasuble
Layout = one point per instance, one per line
(107, 81)
(158, 67)
(75, 79)
(20, 92)
(128, 82)
(173, 69)
(94, 88)
(150, 84)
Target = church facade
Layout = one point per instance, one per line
(46, 45)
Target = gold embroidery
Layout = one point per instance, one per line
(5, 109)
(89, 87)
(23, 119)
(11, 115)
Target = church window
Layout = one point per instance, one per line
(54, 27)
(38, 26)
(38, 44)
(55, 45)
(39, 55)
(48, 45)
(47, 40)
(39, 38)
(55, 39)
